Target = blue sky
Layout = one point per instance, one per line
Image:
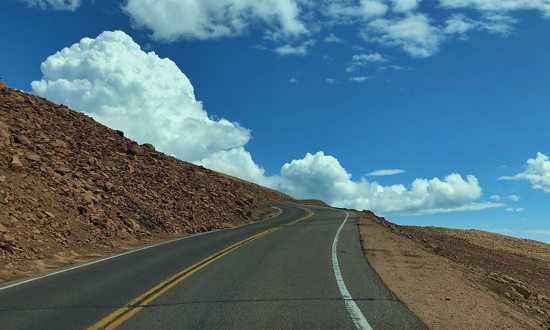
(430, 87)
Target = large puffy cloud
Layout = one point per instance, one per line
(149, 98)
(54, 4)
(199, 19)
(321, 176)
(537, 172)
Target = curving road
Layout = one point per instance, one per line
(302, 269)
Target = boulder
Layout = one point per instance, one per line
(4, 132)
(6, 246)
(16, 163)
(525, 292)
(8, 239)
(148, 146)
(32, 156)
(59, 143)
(21, 140)
(108, 186)
(136, 150)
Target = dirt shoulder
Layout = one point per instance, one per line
(452, 283)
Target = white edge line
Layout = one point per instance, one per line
(355, 313)
(130, 252)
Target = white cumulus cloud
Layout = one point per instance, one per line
(331, 38)
(54, 4)
(321, 176)
(199, 19)
(300, 50)
(404, 6)
(514, 198)
(414, 33)
(459, 24)
(148, 97)
(362, 60)
(537, 172)
(420, 36)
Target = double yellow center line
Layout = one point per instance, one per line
(122, 314)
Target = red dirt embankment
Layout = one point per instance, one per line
(70, 186)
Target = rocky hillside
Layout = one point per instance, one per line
(69, 184)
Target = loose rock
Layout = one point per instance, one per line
(16, 163)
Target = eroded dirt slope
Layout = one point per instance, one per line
(71, 186)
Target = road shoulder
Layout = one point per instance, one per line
(444, 294)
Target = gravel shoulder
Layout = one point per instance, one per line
(452, 283)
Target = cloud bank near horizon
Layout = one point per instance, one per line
(149, 98)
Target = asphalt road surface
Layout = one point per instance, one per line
(303, 269)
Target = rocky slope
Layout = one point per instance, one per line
(69, 185)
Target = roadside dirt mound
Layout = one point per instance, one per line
(525, 247)
(315, 202)
(517, 276)
(71, 186)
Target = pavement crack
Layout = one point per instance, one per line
(220, 301)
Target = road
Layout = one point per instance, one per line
(302, 269)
